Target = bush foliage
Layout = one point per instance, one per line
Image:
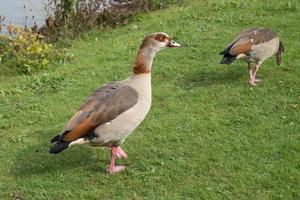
(27, 52)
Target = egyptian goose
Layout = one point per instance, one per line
(113, 111)
(254, 45)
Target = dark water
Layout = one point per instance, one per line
(23, 12)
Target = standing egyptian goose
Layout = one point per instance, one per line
(113, 111)
(254, 45)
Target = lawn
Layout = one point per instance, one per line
(209, 135)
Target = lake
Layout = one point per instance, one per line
(28, 12)
(16, 11)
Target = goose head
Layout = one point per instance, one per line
(158, 41)
(151, 44)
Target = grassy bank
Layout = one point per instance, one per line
(208, 136)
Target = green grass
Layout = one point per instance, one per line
(208, 135)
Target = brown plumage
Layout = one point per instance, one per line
(102, 106)
(139, 66)
(254, 45)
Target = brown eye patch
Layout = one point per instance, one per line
(161, 37)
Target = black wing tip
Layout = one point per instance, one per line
(55, 139)
(59, 147)
(228, 59)
(223, 62)
(222, 53)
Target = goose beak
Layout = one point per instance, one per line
(172, 43)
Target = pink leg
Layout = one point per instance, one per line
(251, 78)
(120, 153)
(255, 72)
(116, 152)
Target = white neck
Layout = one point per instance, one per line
(141, 82)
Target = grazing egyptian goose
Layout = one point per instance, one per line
(113, 111)
(254, 45)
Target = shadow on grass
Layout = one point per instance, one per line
(36, 159)
(203, 79)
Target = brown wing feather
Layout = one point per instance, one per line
(240, 48)
(81, 114)
(80, 130)
(102, 106)
(249, 37)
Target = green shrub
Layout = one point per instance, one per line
(27, 52)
